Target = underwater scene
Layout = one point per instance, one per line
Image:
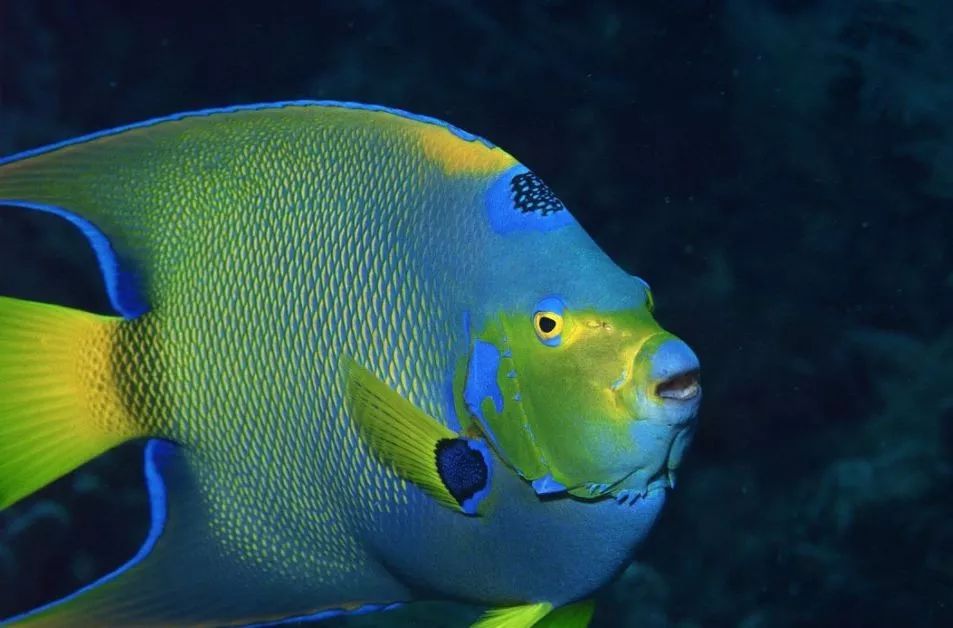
(284, 339)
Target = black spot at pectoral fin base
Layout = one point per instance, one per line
(464, 467)
(405, 437)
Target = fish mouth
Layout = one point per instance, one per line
(681, 387)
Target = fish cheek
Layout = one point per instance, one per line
(577, 420)
(584, 446)
(492, 400)
(604, 454)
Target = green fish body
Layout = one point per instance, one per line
(376, 359)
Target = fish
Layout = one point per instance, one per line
(373, 358)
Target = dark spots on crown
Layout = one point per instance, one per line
(530, 194)
(462, 469)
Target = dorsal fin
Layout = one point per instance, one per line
(137, 190)
(117, 187)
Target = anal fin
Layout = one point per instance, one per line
(181, 576)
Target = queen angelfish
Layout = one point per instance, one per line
(376, 361)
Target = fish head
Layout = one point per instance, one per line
(570, 377)
(595, 403)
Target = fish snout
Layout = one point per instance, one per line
(675, 372)
(672, 387)
(666, 407)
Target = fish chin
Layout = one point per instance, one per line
(644, 479)
(628, 493)
(634, 486)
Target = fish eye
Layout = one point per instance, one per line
(549, 325)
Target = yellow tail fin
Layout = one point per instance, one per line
(59, 405)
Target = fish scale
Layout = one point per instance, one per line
(351, 249)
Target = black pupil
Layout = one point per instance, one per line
(546, 324)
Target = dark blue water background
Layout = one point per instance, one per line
(781, 172)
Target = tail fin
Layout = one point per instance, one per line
(59, 405)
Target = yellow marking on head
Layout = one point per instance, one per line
(457, 156)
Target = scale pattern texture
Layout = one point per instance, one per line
(269, 245)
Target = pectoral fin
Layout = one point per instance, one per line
(455, 471)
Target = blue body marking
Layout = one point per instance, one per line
(671, 358)
(471, 505)
(328, 614)
(620, 380)
(156, 451)
(551, 304)
(453, 421)
(481, 382)
(505, 218)
(546, 485)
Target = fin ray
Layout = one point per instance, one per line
(514, 616)
(60, 406)
(454, 471)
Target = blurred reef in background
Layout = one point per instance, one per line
(781, 173)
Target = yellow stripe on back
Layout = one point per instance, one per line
(458, 156)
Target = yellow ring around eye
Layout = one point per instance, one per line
(548, 325)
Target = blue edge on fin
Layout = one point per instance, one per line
(156, 452)
(121, 284)
(471, 505)
(328, 614)
(342, 104)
